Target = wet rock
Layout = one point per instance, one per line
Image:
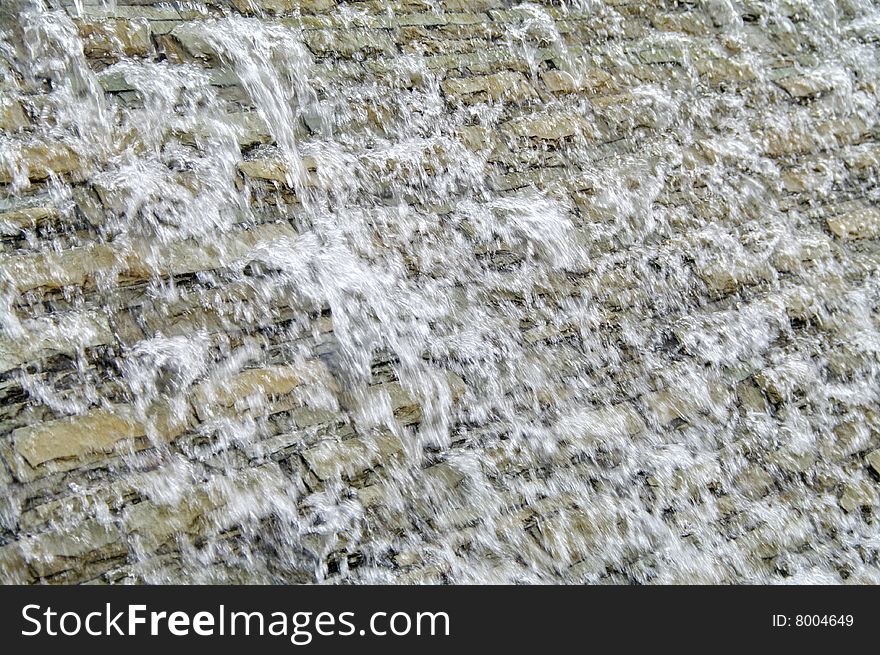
(499, 86)
(153, 525)
(12, 116)
(863, 158)
(793, 460)
(857, 495)
(281, 7)
(88, 264)
(754, 482)
(406, 406)
(666, 53)
(13, 563)
(606, 423)
(861, 222)
(260, 391)
(250, 129)
(474, 137)
(848, 438)
(571, 534)
(552, 127)
(350, 42)
(13, 222)
(37, 161)
(115, 37)
(472, 5)
(687, 22)
(72, 549)
(646, 237)
(352, 457)
(593, 81)
(686, 403)
(273, 170)
(805, 86)
(445, 474)
(76, 266)
(780, 383)
(750, 397)
(65, 333)
(98, 431)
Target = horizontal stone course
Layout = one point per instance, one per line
(115, 37)
(856, 223)
(259, 391)
(642, 235)
(61, 333)
(87, 264)
(98, 431)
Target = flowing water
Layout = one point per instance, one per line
(439, 292)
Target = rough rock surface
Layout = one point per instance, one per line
(424, 291)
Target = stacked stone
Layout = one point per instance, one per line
(687, 389)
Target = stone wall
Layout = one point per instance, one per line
(678, 325)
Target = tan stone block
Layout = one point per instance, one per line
(405, 406)
(863, 157)
(65, 333)
(724, 69)
(12, 116)
(750, 398)
(572, 534)
(857, 495)
(115, 37)
(280, 7)
(805, 86)
(13, 565)
(445, 475)
(754, 482)
(54, 270)
(13, 222)
(139, 260)
(252, 7)
(259, 391)
(611, 422)
(192, 255)
(270, 169)
(846, 439)
(788, 142)
(551, 127)
(859, 223)
(594, 81)
(96, 432)
(779, 383)
(686, 403)
(349, 42)
(42, 160)
(373, 495)
(474, 137)
(774, 537)
(506, 85)
(472, 5)
(726, 277)
(275, 169)
(154, 524)
(249, 127)
(352, 457)
(792, 460)
(54, 552)
(689, 22)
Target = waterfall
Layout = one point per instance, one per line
(419, 292)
